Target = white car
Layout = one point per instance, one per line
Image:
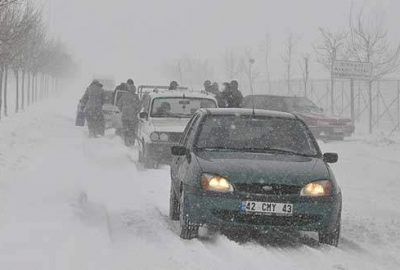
(163, 117)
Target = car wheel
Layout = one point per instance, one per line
(187, 230)
(173, 204)
(330, 237)
(148, 163)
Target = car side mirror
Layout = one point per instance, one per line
(331, 157)
(143, 115)
(178, 150)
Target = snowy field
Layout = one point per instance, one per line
(67, 202)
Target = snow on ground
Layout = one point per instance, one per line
(68, 202)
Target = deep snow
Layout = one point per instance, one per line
(69, 202)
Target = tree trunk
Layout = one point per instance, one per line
(47, 86)
(34, 88)
(1, 87)
(5, 90)
(370, 106)
(28, 90)
(23, 90)
(16, 73)
(332, 94)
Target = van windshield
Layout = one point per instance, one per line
(179, 106)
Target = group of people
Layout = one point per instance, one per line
(91, 104)
(229, 97)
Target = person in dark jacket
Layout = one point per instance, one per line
(213, 89)
(121, 87)
(131, 85)
(173, 85)
(207, 85)
(129, 104)
(232, 96)
(92, 102)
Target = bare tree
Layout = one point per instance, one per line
(5, 3)
(331, 47)
(368, 42)
(232, 64)
(266, 58)
(25, 49)
(192, 71)
(247, 66)
(305, 71)
(287, 57)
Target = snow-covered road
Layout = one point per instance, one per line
(68, 202)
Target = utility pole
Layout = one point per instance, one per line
(251, 62)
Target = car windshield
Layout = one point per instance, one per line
(302, 105)
(247, 133)
(179, 106)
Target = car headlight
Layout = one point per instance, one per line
(215, 183)
(317, 189)
(154, 136)
(164, 137)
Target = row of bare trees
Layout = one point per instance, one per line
(35, 60)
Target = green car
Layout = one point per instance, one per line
(253, 170)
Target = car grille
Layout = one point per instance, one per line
(275, 189)
(266, 220)
(174, 137)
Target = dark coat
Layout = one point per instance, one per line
(93, 100)
(232, 98)
(129, 104)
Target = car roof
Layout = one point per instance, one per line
(272, 96)
(165, 87)
(248, 112)
(180, 93)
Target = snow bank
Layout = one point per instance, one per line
(67, 202)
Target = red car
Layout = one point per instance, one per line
(322, 125)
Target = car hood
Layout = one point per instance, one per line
(266, 168)
(169, 124)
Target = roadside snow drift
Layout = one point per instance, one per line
(69, 202)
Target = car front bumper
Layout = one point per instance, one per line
(223, 211)
(160, 152)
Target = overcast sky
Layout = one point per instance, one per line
(129, 38)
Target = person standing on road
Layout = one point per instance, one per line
(92, 102)
(121, 87)
(207, 86)
(232, 96)
(128, 104)
(213, 89)
(131, 85)
(173, 85)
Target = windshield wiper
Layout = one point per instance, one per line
(277, 150)
(218, 148)
(251, 149)
(180, 115)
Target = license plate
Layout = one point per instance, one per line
(267, 208)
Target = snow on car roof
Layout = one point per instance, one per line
(257, 112)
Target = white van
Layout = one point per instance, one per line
(163, 117)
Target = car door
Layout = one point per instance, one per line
(176, 159)
(143, 128)
(184, 163)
